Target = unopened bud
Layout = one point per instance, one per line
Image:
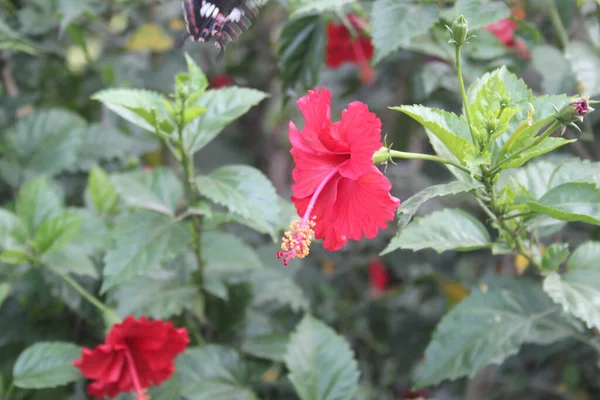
(460, 28)
(492, 124)
(574, 111)
(505, 101)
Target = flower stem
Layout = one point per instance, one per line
(463, 92)
(561, 32)
(427, 157)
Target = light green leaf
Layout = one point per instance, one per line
(545, 146)
(222, 107)
(409, 207)
(578, 290)
(197, 80)
(519, 92)
(576, 170)
(99, 142)
(37, 201)
(159, 190)
(270, 347)
(101, 191)
(450, 129)
(213, 372)
(448, 229)
(245, 191)
(300, 52)
(5, 289)
(488, 327)
(271, 286)
(396, 22)
(70, 259)
(585, 61)
(321, 363)
(53, 233)
(46, 364)
(142, 241)
(298, 7)
(480, 13)
(570, 202)
(135, 106)
(556, 73)
(554, 255)
(227, 256)
(12, 230)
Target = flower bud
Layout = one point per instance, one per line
(460, 28)
(505, 100)
(492, 124)
(574, 111)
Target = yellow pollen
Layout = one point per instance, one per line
(296, 242)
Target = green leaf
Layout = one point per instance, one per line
(556, 73)
(5, 289)
(270, 347)
(159, 190)
(213, 372)
(227, 256)
(585, 61)
(570, 202)
(450, 129)
(101, 191)
(555, 255)
(575, 170)
(37, 201)
(245, 191)
(70, 259)
(46, 364)
(545, 146)
(13, 232)
(300, 52)
(197, 80)
(488, 327)
(448, 229)
(578, 289)
(396, 22)
(223, 106)
(135, 106)
(298, 7)
(53, 233)
(480, 13)
(99, 142)
(142, 241)
(409, 207)
(44, 143)
(271, 286)
(322, 365)
(519, 92)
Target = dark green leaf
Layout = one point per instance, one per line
(226, 256)
(321, 363)
(70, 259)
(37, 201)
(570, 202)
(99, 142)
(270, 347)
(46, 364)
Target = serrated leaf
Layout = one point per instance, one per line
(396, 22)
(519, 92)
(13, 232)
(142, 241)
(196, 79)
(222, 107)
(270, 347)
(53, 233)
(450, 129)
(135, 106)
(488, 327)
(159, 190)
(245, 191)
(70, 259)
(570, 202)
(545, 146)
(578, 290)
(409, 207)
(101, 191)
(299, 7)
(300, 52)
(480, 13)
(321, 364)
(213, 372)
(226, 255)
(46, 364)
(448, 229)
(37, 200)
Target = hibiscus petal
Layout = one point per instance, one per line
(361, 130)
(311, 170)
(315, 107)
(100, 362)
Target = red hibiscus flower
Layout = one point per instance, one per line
(338, 191)
(379, 277)
(341, 48)
(220, 80)
(134, 355)
(504, 30)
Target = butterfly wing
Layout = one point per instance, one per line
(221, 20)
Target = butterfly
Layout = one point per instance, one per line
(223, 20)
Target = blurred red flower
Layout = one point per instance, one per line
(134, 355)
(504, 30)
(220, 80)
(379, 278)
(338, 191)
(342, 48)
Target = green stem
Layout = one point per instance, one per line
(555, 125)
(9, 391)
(519, 215)
(427, 157)
(561, 32)
(463, 92)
